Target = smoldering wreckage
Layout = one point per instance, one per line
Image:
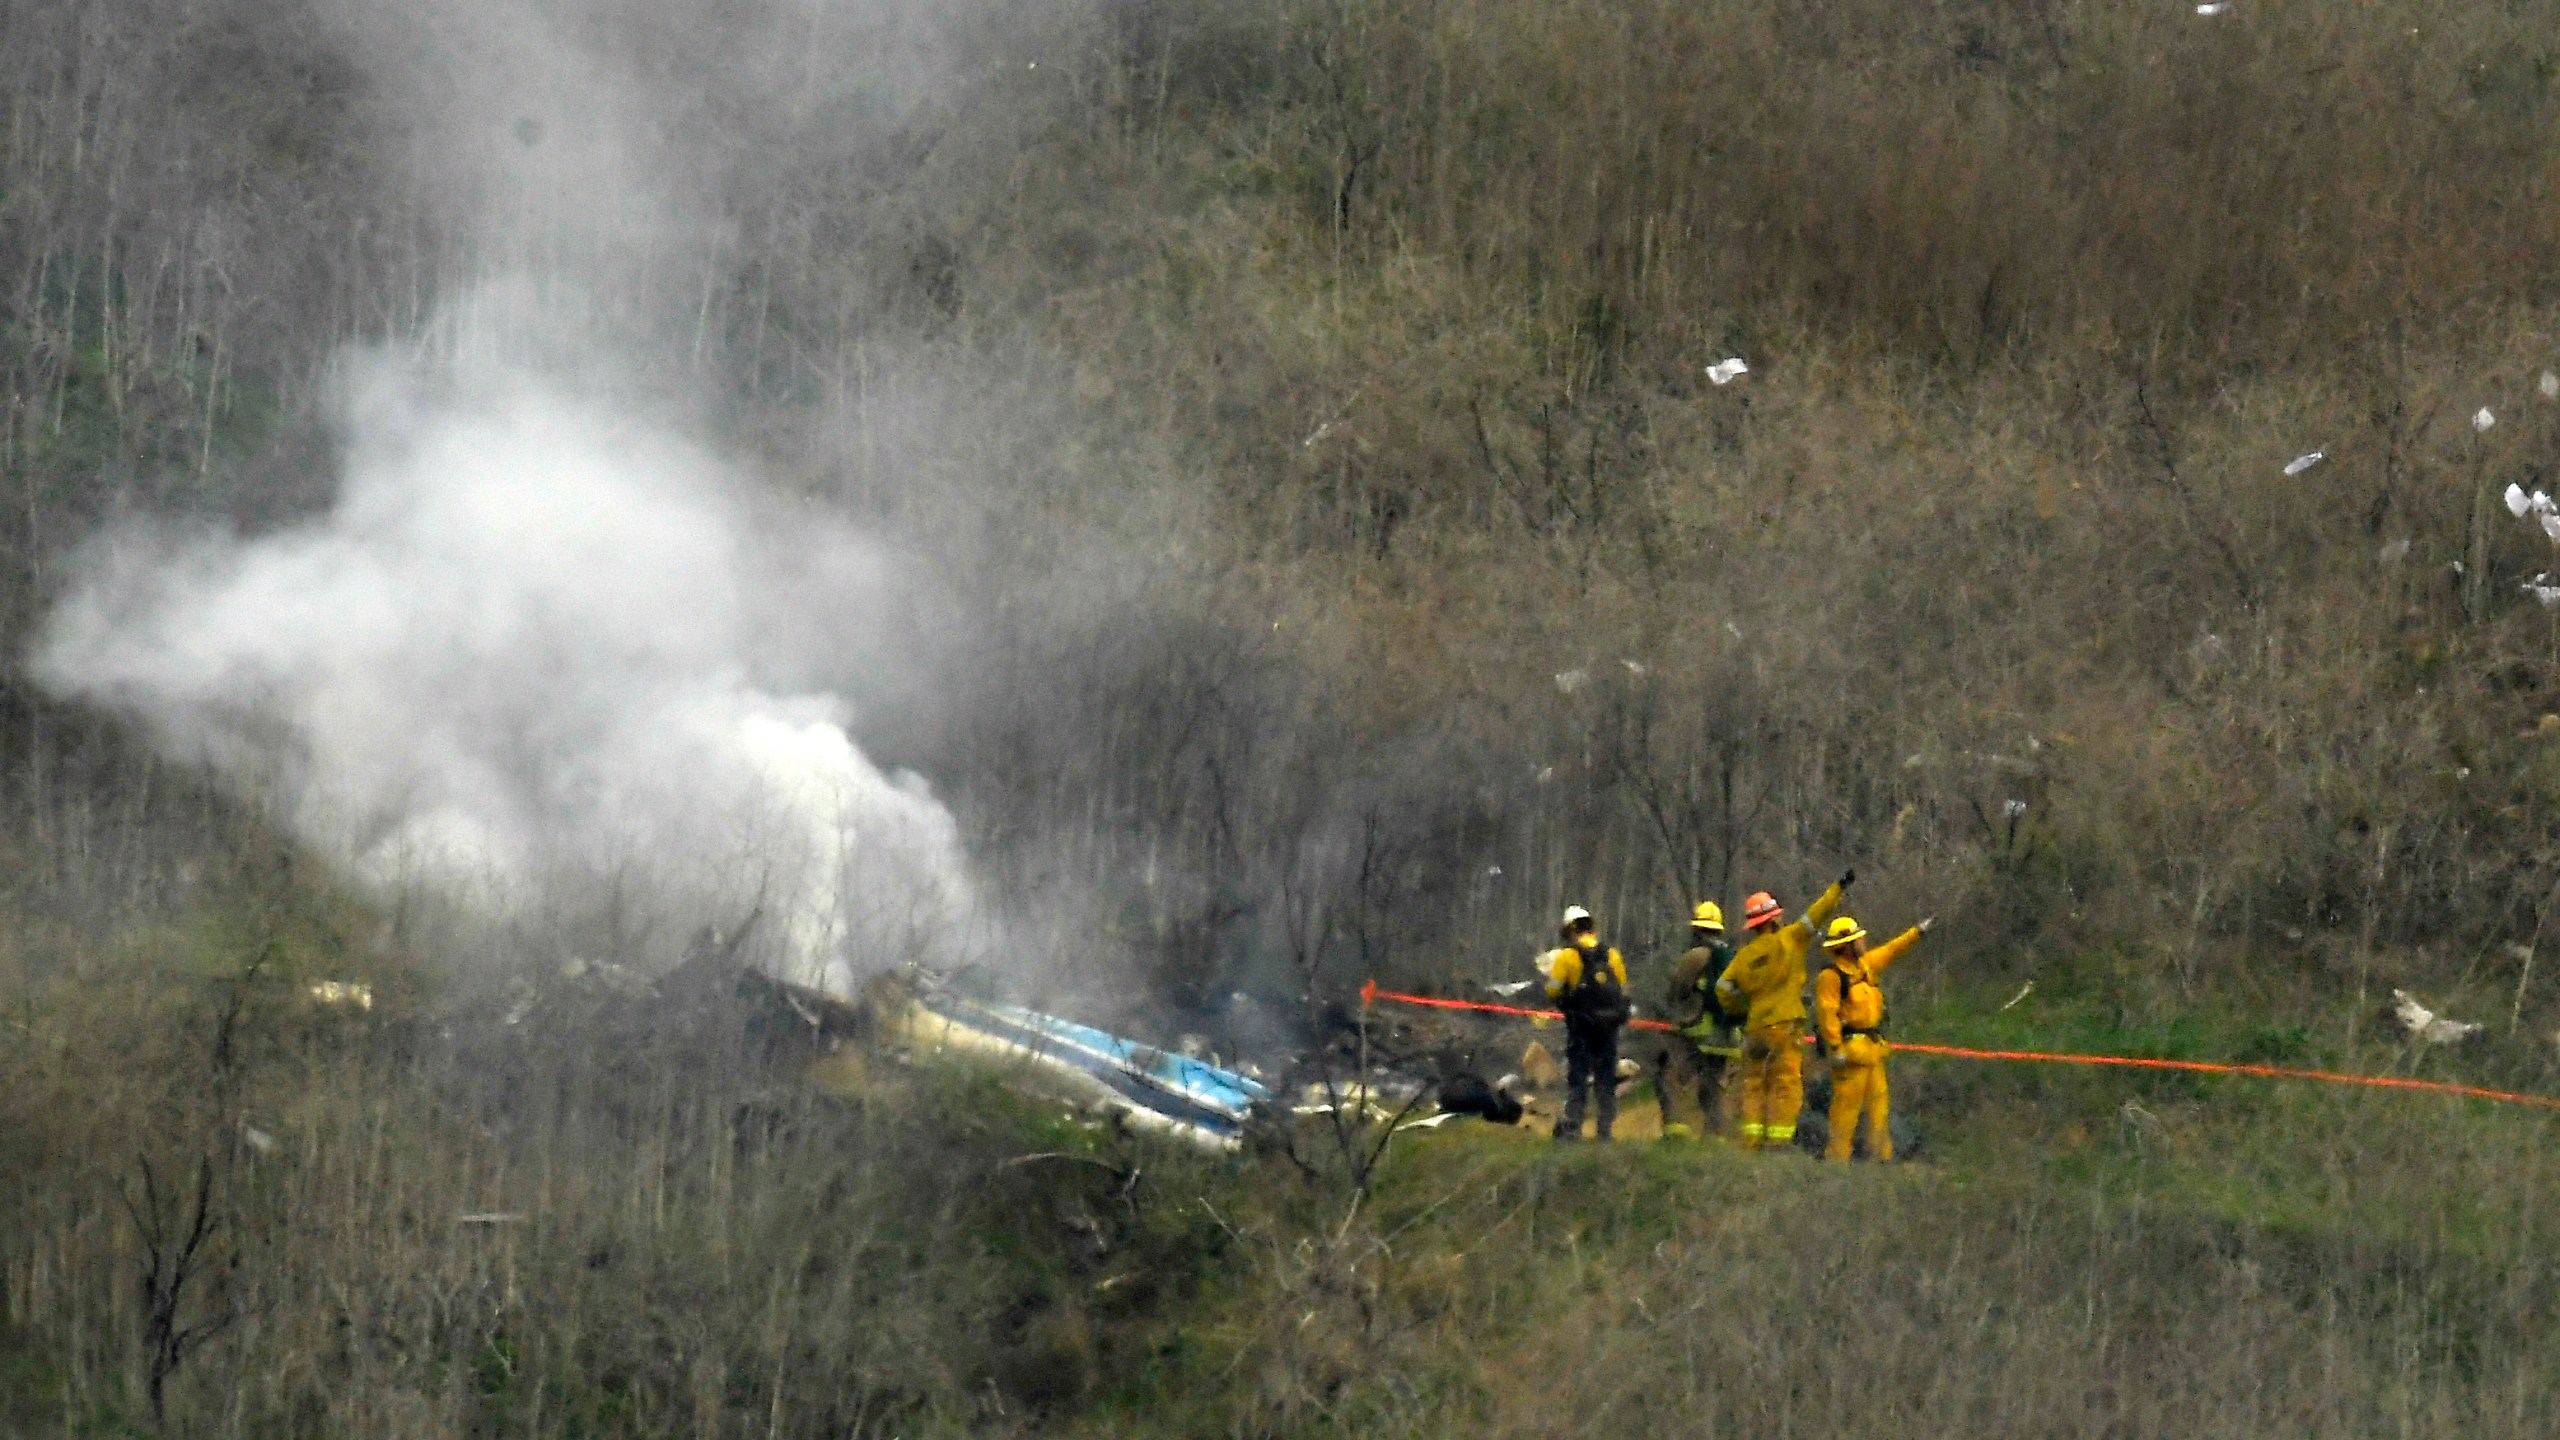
(1383, 1070)
(1379, 1068)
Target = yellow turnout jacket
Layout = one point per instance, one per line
(1564, 969)
(1769, 971)
(1846, 995)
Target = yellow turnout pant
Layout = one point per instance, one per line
(1772, 1084)
(1858, 1091)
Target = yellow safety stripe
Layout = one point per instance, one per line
(1754, 1128)
(1781, 1132)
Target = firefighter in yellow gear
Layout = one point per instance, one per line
(1848, 1015)
(1765, 985)
(1588, 982)
(1689, 1068)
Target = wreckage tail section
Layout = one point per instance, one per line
(1197, 1082)
(1171, 1094)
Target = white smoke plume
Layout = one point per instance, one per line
(542, 647)
(535, 645)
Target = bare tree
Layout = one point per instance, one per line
(181, 1278)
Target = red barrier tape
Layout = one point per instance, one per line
(1370, 994)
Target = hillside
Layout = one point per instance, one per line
(1169, 509)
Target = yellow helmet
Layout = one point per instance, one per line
(1842, 931)
(1708, 916)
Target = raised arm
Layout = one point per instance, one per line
(1826, 904)
(1885, 954)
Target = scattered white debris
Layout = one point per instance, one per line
(2541, 590)
(1569, 681)
(354, 993)
(1733, 629)
(1493, 871)
(258, 1140)
(2300, 463)
(1315, 435)
(1546, 773)
(2550, 386)
(1510, 988)
(2023, 992)
(2213, 7)
(2426, 1025)
(1632, 667)
(2484, 419)
(1629, 1069)
(1725, 372)
(2537, 507)
(1359, 1105)
(2395, 552)
(2012, 809)
(1507, 1084)
(1428, 1122)
(490, 1217)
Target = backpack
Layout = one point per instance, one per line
(1695, 1003)
(1597, 1001)
(1846, 985)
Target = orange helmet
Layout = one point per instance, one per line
(1761, 909)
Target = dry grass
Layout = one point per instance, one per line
(696, 1246)
(1295, 393)
(1497, 1288)
(613, 1219)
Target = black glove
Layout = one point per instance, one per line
(1848, 878)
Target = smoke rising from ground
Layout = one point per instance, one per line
(534, 642)
(542, 650)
